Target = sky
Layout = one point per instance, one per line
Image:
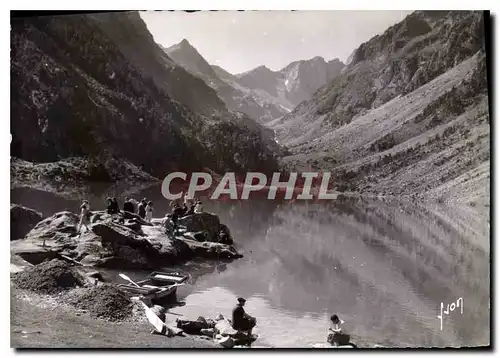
(239, 41)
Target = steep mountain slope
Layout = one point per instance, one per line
(260, 107)
(295, 83)
(303, 78)
(98, 86)
(408, 116)
(262, 94)
(409, 54)
(224, 75)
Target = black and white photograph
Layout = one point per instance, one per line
(251, 179)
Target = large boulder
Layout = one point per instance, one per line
(112, 242)
(224, 328)
(126, 247)
(52, 236)
(211, 250)
(22, 220)
(60, 227)
(207, 222)
(170, 249)
(205, 227)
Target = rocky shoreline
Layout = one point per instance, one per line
(54, 264)
(122, 240)
(47, 321)
(77, 169)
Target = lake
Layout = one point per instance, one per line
(383, 266)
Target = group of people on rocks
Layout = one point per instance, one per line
(144, 209)
(188, 207)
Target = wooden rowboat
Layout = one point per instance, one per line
(158, 286)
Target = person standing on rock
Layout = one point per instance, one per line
(177, 212)
(134, 203)
(141, 208)
(84, 216)
(115, 208)
(242, 322)
(149, 212)
(188, 207)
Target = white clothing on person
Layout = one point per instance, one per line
(149, 213)
(187, 202)
(84, 216)
(336, 327)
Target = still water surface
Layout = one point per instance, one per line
(383, 267)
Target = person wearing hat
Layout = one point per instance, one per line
(241, 320)
(84, 216)
(335, 335)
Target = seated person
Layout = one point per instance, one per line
(335, 336)
(177, 212)
(128, 206)
(109, 205)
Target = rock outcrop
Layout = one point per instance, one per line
(207, 225)
(73, 170)
(406, 56)
(22, 220)
(114, 242)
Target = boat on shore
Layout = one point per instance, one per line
(157, 286)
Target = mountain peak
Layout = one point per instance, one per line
(257, 70)
(318, 58)
(336, 61)
(187, 56)
(184, 42)
(184, 45)
(262, 68)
